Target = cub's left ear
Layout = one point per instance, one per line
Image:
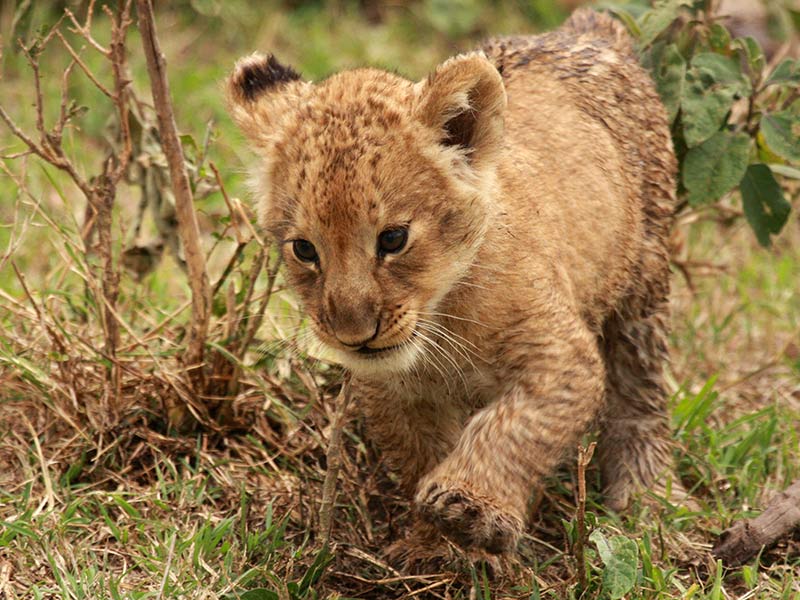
(464, 101)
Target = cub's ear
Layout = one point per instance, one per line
(464, 100)
(260, 92)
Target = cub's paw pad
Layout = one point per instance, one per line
(467, 519)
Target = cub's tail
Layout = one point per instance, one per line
(586, 21)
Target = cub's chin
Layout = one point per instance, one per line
(397, 359)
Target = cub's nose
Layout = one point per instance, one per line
(356, 337)
(354, 325)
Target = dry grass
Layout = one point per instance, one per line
(141, 489)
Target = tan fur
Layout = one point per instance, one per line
(531, 298)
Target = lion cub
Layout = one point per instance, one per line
(485, 251)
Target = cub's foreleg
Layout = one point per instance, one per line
(412, 435)
(478, 494)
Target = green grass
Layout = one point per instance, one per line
(119, 501)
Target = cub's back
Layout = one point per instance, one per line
(593, 154)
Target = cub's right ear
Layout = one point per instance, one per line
(464, 101)
(260, 92)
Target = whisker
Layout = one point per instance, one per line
(459, 348)
(470, 284)
(450, 332)
(445, 356)
(449, 316)
(276, 346)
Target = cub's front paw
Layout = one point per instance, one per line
(469, 519)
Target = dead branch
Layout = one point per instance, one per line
(100, 190)
(334, 463)
(584, 457)
(188, 228)
(746, 538)
(85, 30)
(86, 70)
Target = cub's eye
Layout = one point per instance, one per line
(305, 251)
(392, 241)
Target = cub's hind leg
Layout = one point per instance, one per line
(634, 448)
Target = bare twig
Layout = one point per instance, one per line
(584, 457)
(187, 221)
(85, 30)
(86, 70)
(100, 190)
(258, 317)
(334, 462)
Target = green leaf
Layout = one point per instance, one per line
(315, 571)
(715, 166)
(620, 555)
(628, 19)
(724, 70)
(782, 133)
(704, 110)
(785, 171)
(670, 74)
(753, 53)
(788, 71)
(795, 17)
(655, 21)
(765, 208)
(712, 83)
(718, 37)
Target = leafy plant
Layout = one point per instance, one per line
(620, 556)
(735, 117)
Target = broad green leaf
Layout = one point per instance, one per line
(704, 109)
(715, 167)
(670, 74)
(655, 21)
(724, 70)
(765, 208)
(712, 83)
(782, 133)
(765, 154)
(718, 37)
(753, 53)
(620, 556)
(788, 71)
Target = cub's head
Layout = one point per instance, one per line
(378, 191)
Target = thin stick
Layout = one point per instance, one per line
(334, 461)
(258, 317)
(584, 457)
(86, 70)
(184, 207)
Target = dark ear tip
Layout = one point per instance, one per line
(257, 73)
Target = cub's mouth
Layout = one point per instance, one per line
(367, 351)
(367, 361)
